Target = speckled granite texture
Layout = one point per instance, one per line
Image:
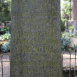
(35, 40)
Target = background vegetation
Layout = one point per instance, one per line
(65, 6)
(5, 10)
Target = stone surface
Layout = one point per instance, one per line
(6, 65)
(36, 39)
(74, 10)
(70, 23)
(75, 27)
(73, 41)
(0, 23)
(70, 31)
(66, 26)
(8, 23)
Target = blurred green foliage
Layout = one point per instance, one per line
(5, 36)
(67, 34)
(4, 30)
(71, 28)
(65, 6)
(5, 47)
(66, 44)
(62, 26)
(5, 10)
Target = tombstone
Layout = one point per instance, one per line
(10, 29)
(66, 26)
(75, 27)
(70, 31)
(7, 23)
(66, 16)
(75, 48)
(0, 23)
(70, 23)
(35, 39)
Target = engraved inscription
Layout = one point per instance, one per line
(35, 42)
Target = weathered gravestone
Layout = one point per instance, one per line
(75, 27)
(70, 23)
(0, 23)
(7, 23)
(36, 39)
(66, 26)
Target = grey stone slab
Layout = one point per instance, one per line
(35, 39)
(75, 27)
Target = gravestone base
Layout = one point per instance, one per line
(66, 30)
(66, 26)
(75, 32)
